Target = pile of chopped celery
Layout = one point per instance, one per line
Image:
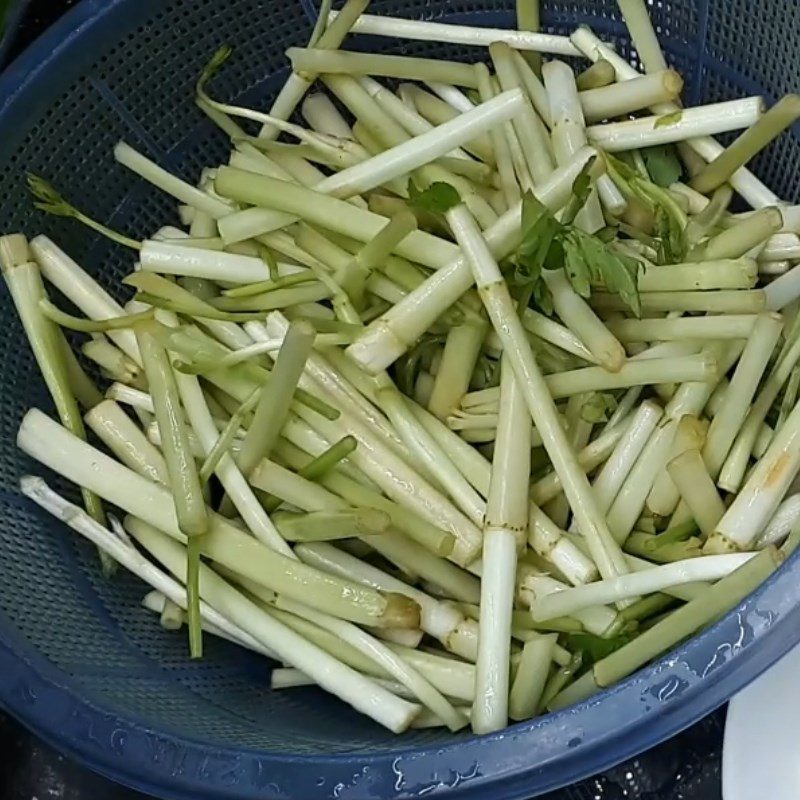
(463, 395)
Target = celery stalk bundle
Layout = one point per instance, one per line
(465, 398)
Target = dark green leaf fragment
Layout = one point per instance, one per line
(667, 120)
(438, 198)
(663, 165)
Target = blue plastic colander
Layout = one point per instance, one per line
(81, 663)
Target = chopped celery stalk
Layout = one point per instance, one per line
(64, 320)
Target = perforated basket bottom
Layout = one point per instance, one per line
(139, 87)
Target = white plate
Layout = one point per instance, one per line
(761, 756)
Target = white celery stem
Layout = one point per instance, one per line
(631, 497)
(195, 448)
(745, 301)
(284, 105)
(773, 269)
(597, 618)
(735, 466)
(700, 367)
(296, 86)
(781, 524)
(179, 189)
(394, 665)
(591, 457)
(728, 326)
(582, 321)
(617, 137)
(531, 678)
(323, 116)
(784, 291)
(135, 398)
(427, 450)
(388, 133)
(744, 181)
(549, 541)
(571, 601)
(622, 99)
(740, 240)
(231, 478)
(156, 602)
(461, 351)
(386, 339)
(318, 208)
(551, 331)
(168, 258)
(353, 63)
(569, 132)
(437, 619)
(763, 491)
(82, 290)
(294, 489)
(130, 558)
(126, 441)
(451, 95)
(502, 312)
(544, 537)
(744, 384)
(534, 87)
(290, 678)
(689, 400)
(664, 496)
(449, 580)
(52, 445)
(398, 28)
(351, 686)
(709, 275)
(612, 476)
(781, 247)
(406, 487)
(396, 478)
(413, 122)
(424, 148)
(500, 145)
(690, 475)
(530, 131)
(685, 592)
(643, 34)
(472, 465)
(506, 520)
(343, 395)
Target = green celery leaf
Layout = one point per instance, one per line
(438, 198)
(663, 165)
(578, 269)
(550, 244)
(581, 191)
(408, 367)
(621, 275)
(542, 298)
(540, 229)
(672, 244)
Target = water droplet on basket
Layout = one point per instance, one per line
(669, 689)
(26, 692)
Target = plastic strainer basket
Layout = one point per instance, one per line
(81, 663)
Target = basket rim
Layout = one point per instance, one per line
(523, 760)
